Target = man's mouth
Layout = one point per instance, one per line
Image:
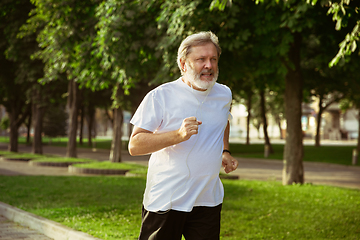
(206, 74)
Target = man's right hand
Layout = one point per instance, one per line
(145, 142)
(189, 127)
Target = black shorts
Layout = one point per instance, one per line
(199, 224)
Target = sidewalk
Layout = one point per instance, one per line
(250, 169)
(10, 230)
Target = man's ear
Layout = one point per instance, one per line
(183, 65)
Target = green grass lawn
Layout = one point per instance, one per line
(12, 155)
(133, 168)
(110, 207)
(325, 154)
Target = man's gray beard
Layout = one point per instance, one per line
(197, 82)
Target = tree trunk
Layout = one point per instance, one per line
(293, 171)
(90, 120)
(278, 121)
(38, 122)
(14, 134)
(265, 125)
(73, 93)
(17, 115)
(82, 115)
(116, 144)
(358, 140)
(318, 122)
(249, 105)
(28, 126)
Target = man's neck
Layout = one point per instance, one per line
(186, 80)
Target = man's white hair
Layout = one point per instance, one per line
(196, 39)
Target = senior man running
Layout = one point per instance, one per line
(184, 126)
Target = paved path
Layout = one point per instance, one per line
(251, 169)
(11, 231)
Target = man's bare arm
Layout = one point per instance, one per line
(227, 136)
(229, 162)
(144, 142)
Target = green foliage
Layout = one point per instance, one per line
(126, 41)
(346, 12)
(64, 27)
(352, 82)
(130, 46)
(220, 4)
(18, 72)
(4, 123)
(16, 50)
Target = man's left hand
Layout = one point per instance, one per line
(229, 162)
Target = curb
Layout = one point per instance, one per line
(2, 158)
(53, 164)
(73, 169)
(45, 226)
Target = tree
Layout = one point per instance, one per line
(73, 105)
(278, 24)
(65, 27)
(126, 47)
(279, 30)
(18, 71)
(327, 84)
(264, 120)
(97, 45)
(93, 99)
(275, 101)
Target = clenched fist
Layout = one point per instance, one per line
(189, 127)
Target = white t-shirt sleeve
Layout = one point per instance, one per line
(149, 114)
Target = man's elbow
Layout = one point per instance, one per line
(138, 144)
(135, 148)
(132, 149)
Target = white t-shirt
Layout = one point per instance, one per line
(186, 174)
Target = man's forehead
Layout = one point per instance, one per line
(204, 50)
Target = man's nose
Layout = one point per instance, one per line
(208, 64)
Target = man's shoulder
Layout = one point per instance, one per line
(222, 88)
(164, 89)
(166, 86)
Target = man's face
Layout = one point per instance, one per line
(201, 67)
